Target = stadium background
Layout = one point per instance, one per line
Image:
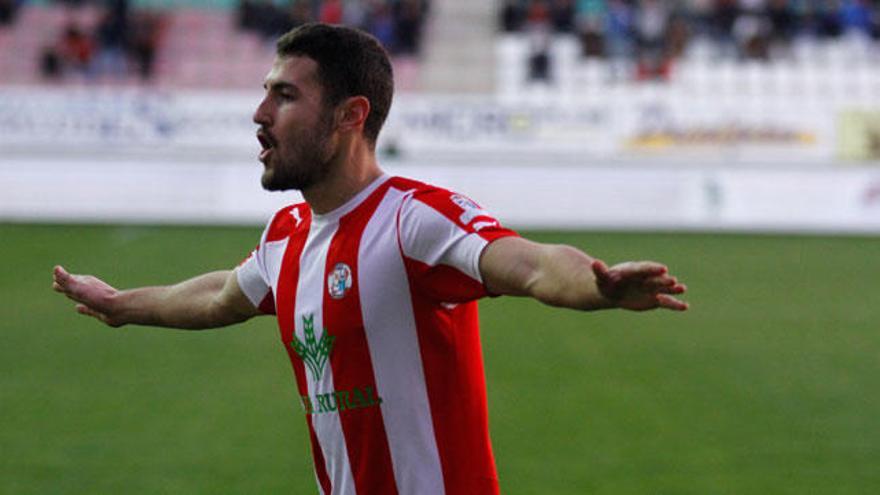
(734, 140)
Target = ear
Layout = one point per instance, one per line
(352, 113)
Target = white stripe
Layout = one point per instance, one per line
(260, 271)
(390, 327)
(273, 256)
(428, 236)
(309, 301)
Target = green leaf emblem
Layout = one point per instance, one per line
(314, 353)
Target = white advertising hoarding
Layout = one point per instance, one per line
(561, 197)
(650, 160)
(658, 125)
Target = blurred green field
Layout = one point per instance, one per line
(769, 385)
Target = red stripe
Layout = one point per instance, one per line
(441, 201)
(267, 305)
(364, 430)
(286, 309)
(452, 358)
(449, 344)
(284, 222)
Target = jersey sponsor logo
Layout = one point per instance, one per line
(341, 400)
(471, 209)
(313, 352)
(339, 281)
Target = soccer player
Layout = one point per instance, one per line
(373, 280)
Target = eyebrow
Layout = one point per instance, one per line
(280, 86)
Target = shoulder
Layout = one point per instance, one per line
(285, 220)
(429, 206)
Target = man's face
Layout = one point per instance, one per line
(296, 130)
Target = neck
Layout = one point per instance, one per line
(351, 171)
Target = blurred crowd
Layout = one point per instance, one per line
(121, 44)
(654, 33)
(396, 23)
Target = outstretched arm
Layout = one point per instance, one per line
(207, 301)
(561, 275)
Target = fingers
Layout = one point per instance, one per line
(65, 283)
(639, 269)
(600, 269)
(640, 285)
(665, 284)
(60, 278)
(668, 302)
(87, 311)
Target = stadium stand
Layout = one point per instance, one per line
(752, 46)
(183, 44)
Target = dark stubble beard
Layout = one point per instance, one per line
(305, 163)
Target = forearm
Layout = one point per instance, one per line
(192, 304)
(184, 305)
(553, 274)
(563, 277)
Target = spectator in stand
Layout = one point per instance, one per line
(724, 15)
(330, 12)
(511, 16)
(72, 52)
(619, 30)
(8, 11)
(751, 30)
(407, 27)
(355, 14)
(300, 13)
(592, 37)
(589, 20)
(562, 15)
(396, 23)
(855, 17)
(827, 18)
(76, 50)
(677, 36)
(146, 28)
(539, 29)
(875, 21)
(111, 35)
(538, 16)
(651, 22)
(783, 26)
(381, 23)
(268, 20)
(655, 33)
(698, 14)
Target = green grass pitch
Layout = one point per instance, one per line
(769, 385)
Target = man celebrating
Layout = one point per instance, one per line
(374, 281)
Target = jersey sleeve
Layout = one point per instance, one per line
(253, 277)
(442, 235)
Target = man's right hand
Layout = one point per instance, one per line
(93, 296)
(210, 300)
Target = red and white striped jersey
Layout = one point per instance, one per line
(376, 303)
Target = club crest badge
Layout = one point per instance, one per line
(339, 281)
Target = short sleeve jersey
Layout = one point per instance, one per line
(376, 306)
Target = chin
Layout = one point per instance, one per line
(267, 180)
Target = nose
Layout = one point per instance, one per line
(263, 115)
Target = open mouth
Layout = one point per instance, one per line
(267, 143)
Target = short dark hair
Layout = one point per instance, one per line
(350, 63)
